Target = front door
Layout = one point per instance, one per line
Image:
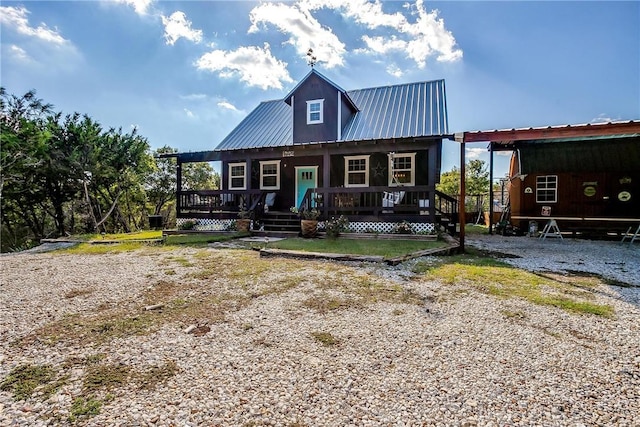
(306, 177)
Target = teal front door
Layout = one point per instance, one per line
(306, 177)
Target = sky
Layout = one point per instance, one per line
(185, 73)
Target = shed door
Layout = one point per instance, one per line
(306, 177)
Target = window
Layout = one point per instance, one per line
(237, 176)
(270, 175)
(547, 189)
(403, 168)
(356, 171)
(315, 111)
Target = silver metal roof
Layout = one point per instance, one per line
(390, 112)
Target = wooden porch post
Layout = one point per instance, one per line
(326, 171)
(461, 208)
(178, 186)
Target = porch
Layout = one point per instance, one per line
(373, 206)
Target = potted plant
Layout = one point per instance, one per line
(244, 220)
(308, 221)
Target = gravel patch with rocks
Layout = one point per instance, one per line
(459, 358)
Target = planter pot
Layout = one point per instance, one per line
(309, 227)
(243, 225)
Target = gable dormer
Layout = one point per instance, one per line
(321, 109)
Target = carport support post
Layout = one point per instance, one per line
(461, 208)
(490, 188)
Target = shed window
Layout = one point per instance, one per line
(270, 175)
(356, 171)
(547, 189)
(402, 169)
(315, 114)
(237, 176)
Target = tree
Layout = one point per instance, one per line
(161, 184)
(476, 182)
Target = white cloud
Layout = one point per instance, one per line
(503, 153)
(383, 45)
(303, 29)
(603, 118)
(254, 65)
(17, 19)
(395, 71)
(425, 37)
(475, 153)
(189, 113)
(194, 97)
(368, 13)
(177, 26)
(227, 105)
(430, 36)
(140, 6)
(19, 53)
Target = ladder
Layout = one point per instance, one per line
(632, 237)
(551, 229)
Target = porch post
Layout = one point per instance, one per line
(490, 188)
(326, 171)
(178, 186)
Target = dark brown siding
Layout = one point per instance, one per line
(575, 200)
(315, 88)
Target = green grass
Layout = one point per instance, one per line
(200, 239)
(325, 338)
(138, 235)
(375, 247)
(24, 379)
(493, 277)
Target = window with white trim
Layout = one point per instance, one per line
(237, 176)
(270, 175)
(356, 171)
(547, 189)
(315, 111)
(402, 167)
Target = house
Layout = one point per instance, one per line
(373, 155)
(586, 177)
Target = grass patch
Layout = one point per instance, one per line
(84, 407)
(375, 247)
(150, 378)
(23, 380)
(90, 249)
(500, 279)
(325, 338)
(200, 239)
(138, 235)
(104, 377)
(324, 303)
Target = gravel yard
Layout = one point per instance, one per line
(311, 343)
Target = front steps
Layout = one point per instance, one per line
(274, 221)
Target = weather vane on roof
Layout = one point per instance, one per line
(311, 59)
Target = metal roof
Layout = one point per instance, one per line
(390, 112)
(509, 136)
(400, 111)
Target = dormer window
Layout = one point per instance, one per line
(315, 110)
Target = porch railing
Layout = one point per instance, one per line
(418, 203)
(221, 203)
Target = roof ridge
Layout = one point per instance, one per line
(396, 85)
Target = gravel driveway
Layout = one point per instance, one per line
(309, 343)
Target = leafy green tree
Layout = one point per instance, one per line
(476, 182)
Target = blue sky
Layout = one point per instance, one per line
(186, 72)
